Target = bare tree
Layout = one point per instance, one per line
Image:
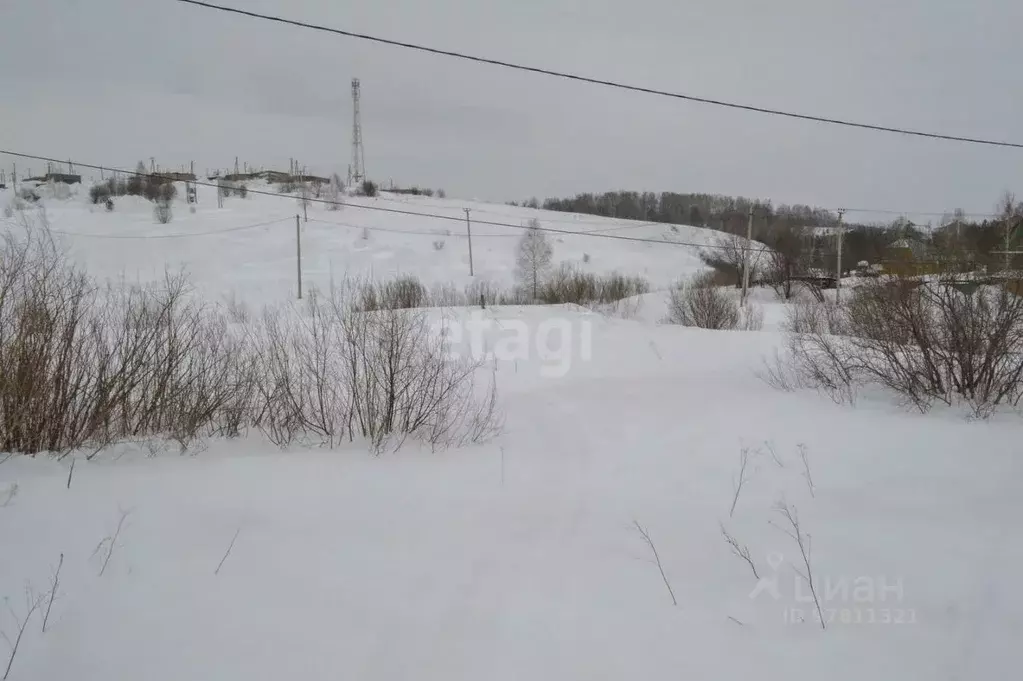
(729, 255)
(788, 258)
(534, 257)
(334, 193)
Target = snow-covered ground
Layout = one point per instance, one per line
(224, 254)
(523, 558)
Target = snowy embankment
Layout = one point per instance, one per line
(526, 557)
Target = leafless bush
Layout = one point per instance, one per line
(698, 303)
(87, 365)
(82, 364)
(342, 373)
(926, 341)
(751, 317)
(569, 285)
(481, 289)
(163, 213)
(813, 316)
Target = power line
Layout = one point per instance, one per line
(168, 236)
(434, 216)
(600, 81)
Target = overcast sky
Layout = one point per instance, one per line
(115, 81)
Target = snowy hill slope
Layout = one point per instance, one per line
(258, 263)
(525, 557)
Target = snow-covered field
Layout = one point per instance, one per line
(225, 255)
(523, 558)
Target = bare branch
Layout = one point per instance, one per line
(806, 468)
(737, 483)
(742, 551)
(32, 603)
(774, 454)
(228, 552)
(111, 542)
(803, 541)
(657, 559)
(53, 591)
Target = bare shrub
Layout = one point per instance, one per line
(751, 317)
(569, 285)
(84, 365)
(483, 290)
(99, 193)
(405, 292)
(928, 342)
(697, 303)
(163, 213)
(80, 364)
(382, 375)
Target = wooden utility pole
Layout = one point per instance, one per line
(298, 250)
(838, 274)
(468, 229)
(747, 248)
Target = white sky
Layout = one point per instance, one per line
(115, 81)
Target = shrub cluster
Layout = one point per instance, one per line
(937, 341)
(570, 285)
(700, 302)
(86, 365)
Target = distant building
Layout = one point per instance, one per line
(66, 178)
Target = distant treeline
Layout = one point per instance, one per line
(954, 236)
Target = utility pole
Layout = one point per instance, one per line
(468, 229)
(838, 277)
(1008, 241)
(746, 256)
(298, 250)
